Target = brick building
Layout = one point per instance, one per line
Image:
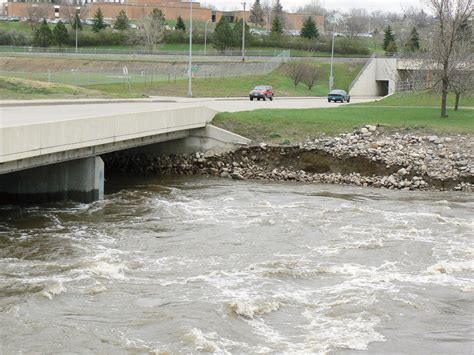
(137, 9)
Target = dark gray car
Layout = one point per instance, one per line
(338, 95)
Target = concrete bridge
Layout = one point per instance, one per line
(52, 153)
(384, 75)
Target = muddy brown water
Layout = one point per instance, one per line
(214, 265)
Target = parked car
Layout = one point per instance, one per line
(338, 95)
(262, 92)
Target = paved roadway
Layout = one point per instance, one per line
(31, 112)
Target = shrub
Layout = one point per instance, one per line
(105, 37)
(343, 45)
(176, 37)
(13, 38)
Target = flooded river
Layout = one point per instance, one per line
(213, 265)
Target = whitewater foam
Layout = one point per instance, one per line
(250, 309)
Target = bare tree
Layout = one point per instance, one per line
(313, 7)
(357, 22)
(461, 83)
(296, 72)
(449, 44)
(35, 13)
(267, 10)
(153, 28)
(312, 75)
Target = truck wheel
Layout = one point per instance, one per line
(251, 99)
(264, 98)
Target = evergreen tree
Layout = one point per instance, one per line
(309, 29)
(121, 21)
(256, 14)
(277, 26)
(60, 34)
(389, 37)
(223, 36)
(277, 8)
(413, 43)
(277, 11)
(392, 48)
(99, 23)
(238, 34)
(77, 22)
(43, 35)
(180, 26)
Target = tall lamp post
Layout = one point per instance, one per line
(243, 34)
(331, 76)
(190, 73)
(205, 36)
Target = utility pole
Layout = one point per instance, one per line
(243, 34)
(76, 20)
(190, 72)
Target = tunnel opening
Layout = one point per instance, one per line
(382, 87)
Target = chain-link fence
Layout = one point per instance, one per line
(148, 73)
(253, 54)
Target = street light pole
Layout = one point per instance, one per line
(331, 77)
(190, 73)
(205, 36)
(243, 34)
(76, 31)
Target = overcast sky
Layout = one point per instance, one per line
(341, 5)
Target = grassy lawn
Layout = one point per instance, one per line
(240, 86)
(22, 27)
(21, 89)
(421, 98)
(296, 125)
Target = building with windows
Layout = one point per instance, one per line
(137, 9)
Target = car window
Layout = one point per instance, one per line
(260, 88)
(337, 92)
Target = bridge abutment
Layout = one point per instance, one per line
(80, 180)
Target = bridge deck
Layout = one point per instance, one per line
(26, 115)
(39, 135)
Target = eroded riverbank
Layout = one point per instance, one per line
(368, 157)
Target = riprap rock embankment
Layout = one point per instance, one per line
(366, 157)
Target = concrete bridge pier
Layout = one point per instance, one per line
(80, 180)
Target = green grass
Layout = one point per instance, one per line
(22, 27)
(21, 89)
(297, 125)
(240, 86)
(421, 98)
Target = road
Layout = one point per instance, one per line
(31, 112)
